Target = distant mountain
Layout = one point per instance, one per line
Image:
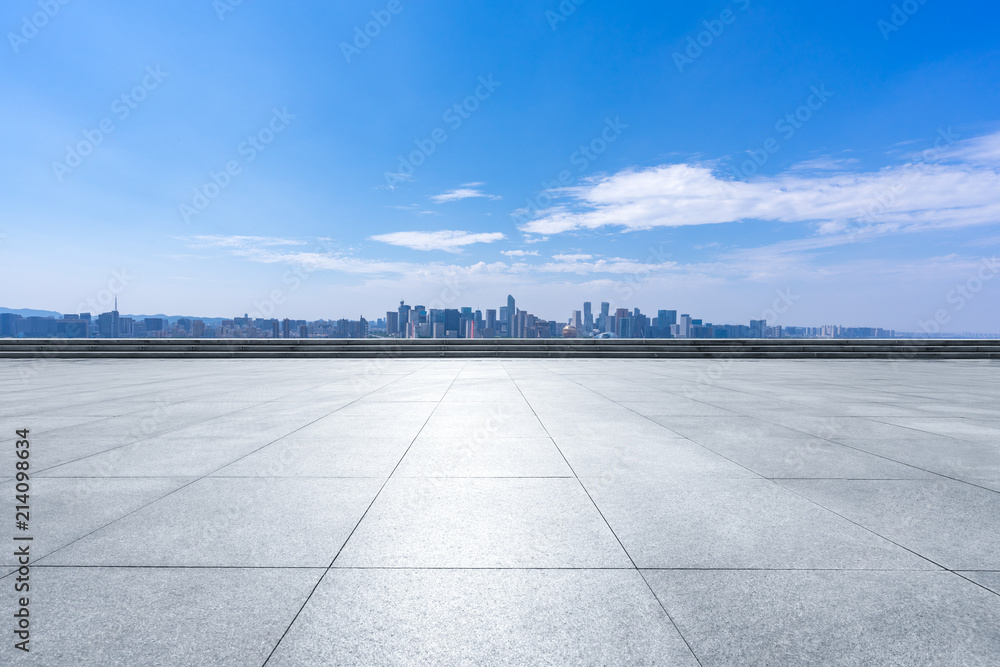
(31, 312)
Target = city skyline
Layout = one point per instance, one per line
(452, 321)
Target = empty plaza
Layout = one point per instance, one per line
(514, 511)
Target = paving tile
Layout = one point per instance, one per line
(810, 457)
(233, 522)
(713, 523)
(447, 522)
(483, 425)
(162, 456)
(617, 460)
(832, 618)
(63, 510)
(951, 523)
(303, 455)
(956, 427)
(476, 617)
(989, 579)
(432, 456)
(157, 616)
(940, 454)
(729, 427)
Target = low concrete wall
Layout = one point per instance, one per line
(650, 348)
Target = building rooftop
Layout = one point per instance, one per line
(601, 511)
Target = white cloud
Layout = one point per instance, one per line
(961, 189)
(519, 253)
(448, 240)
(571, 258)
(219, 241)
(463, 193)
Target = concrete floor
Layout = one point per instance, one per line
(521, 511)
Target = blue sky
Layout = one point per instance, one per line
(708, 157)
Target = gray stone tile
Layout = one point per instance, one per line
(812, 457)
(964, 428)
(447, 522)
(617, 460)
(157, 616)
(713, 523)
(832, 618)
(723, 426)
(303, 455)
(951, 523)
(483, 425)
(233, 522)
(477, 617)
(63, 510)
(987, 578)
(163, 456)
(432, 456)
(940, 454)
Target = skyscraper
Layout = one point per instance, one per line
(404, 314)
(511, 312)
(588, 317)
(602, 323)
(107, 323)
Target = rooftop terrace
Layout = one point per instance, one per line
(599, 511)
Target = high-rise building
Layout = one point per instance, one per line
(491, 319)
(8, 324)
(684, 326)
(758, 328)
(107, 323)
(452, 318)
(392, 322)
(511, 313)
(588, 317)
(602, 323)
(404, 317)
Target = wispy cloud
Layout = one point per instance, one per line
(519, 253)
(447, 240)
(961, 188)
(468, 191)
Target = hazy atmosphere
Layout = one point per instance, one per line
(193, 157)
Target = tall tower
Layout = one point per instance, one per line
(510, 317)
